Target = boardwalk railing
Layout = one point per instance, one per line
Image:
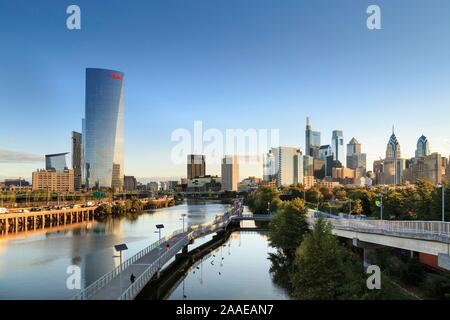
(430, 230)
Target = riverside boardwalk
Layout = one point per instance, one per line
(116, 285)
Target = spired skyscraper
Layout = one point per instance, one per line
(103, 129)
(423, 148)
(312, 141)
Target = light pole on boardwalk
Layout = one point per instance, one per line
(120, 248)
(159, 227)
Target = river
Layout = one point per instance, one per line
(34, 266)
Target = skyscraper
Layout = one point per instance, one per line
(355, 158)
(287, 165)
(196, 166)
(337, 145)
(77, 159)
(56, 162)
(312, 140)
(230, 173)
(103, 128)
(269, 168)
(423, 148)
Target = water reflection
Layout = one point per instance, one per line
(239, 269)
(33, 266)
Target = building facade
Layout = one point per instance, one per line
(77, 159)
(196, 166)
(103, 127)
(337, 145)
(55, 181)
(312, 140)
(230, 173)
(129, 183)
(427, 168)
(56, 162)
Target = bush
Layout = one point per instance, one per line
(437, 286)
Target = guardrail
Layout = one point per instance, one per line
(132, 291)
(415, 229)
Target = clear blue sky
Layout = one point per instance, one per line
(230, 63)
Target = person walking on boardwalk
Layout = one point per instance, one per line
(132, 277)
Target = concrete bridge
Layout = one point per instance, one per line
(39, 220)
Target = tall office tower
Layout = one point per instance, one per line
(393, 165)
(312, 140)
(337, 145)
(288, 166)
(103, 129)
(423, 148)
(355, 159)
(308, 166)
(77, 159)
(230, 173)
(425, 168)
(56, 162)
(196, 166)
(269, 168)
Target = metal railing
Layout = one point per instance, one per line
(133, 290)
(414, 229)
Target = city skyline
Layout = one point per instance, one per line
(336, 78)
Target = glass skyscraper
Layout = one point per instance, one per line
(103, 129)
(337, 145)
(56, 162)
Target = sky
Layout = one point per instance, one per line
(262, 64)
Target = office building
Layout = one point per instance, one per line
(56, 181)
(427, 168)
(355, 158)
(337, 145)
(196, 166)
(423, 148)
(129, 183)
(230, 173)
(269, 167)
(77, 159)
(248, 184)
(56, 162)
(308, 165)
(312, 140)
(103, 127)
(286, 164)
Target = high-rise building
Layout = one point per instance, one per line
(196, 166)
(425, 168)
(103, 127)
(287, 164)
(355, 158)
(77, 159)
(423, 148)
(50, 180)
(56, 162)
(308, 166)
(337, 145)
(269, 167)
(129, 183)
(390, 170)
(312, 140)
(230, 173)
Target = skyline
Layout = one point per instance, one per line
(264, 76)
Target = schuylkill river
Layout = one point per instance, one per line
(34, 266)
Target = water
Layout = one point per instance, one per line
(34, 267)
(243, 273)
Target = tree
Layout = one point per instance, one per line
(288, 226)
(357, 206)
(317, 264)
(263, 199)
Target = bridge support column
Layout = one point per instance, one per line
(444, 261)
(368, 250)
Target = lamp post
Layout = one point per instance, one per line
(268, 207)
(183, 215)
(119, 248)
(159, 227)
(443, 201)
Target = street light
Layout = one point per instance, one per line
(268, 207)
(443, 201)
(119, 248)
(183, 215)
(159, 227)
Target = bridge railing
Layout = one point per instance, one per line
(434, 228)
(133, 290)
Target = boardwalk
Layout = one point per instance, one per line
(145, 264)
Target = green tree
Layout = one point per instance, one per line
(317, 264)
(262, 199)
(357, 207)
(288, 226)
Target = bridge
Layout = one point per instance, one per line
(39, 220)
(420, 236)
(147, 263)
